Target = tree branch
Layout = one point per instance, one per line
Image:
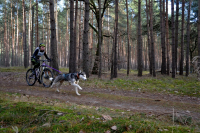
(93, 28)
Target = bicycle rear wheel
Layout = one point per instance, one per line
(47, 76)
(30, 77)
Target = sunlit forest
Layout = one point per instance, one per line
(100, 66)
(102, 36)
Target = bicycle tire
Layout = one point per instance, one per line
(45, 78)
(30, 77)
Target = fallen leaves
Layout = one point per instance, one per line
(46, 125)
(114, 128)
(106, 117)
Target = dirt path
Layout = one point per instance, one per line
(136, 101)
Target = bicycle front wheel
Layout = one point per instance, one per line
(47, 76)
(30, 77)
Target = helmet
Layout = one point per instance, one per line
(41, 44)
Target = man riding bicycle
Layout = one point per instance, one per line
(39, 51)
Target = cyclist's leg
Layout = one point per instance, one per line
(33, 61)
(36, 64)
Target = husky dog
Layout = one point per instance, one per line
(72, 78)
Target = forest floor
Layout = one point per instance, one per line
(159, 104)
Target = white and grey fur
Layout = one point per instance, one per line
(72, 78)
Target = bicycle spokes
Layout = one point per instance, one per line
(30, 77)
(46, 75)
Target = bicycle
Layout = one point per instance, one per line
(32, 77)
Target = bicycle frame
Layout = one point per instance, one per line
(44, 65)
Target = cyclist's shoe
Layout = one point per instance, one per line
(40, 82)
(32, 75)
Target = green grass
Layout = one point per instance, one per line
(31, 117)
(181, 85)
(13, 69)
(22, 69)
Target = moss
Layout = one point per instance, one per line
(31, 117)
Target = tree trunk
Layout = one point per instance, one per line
(5, 38)
(100, 39)
(118, 53)
(37, 30)
(12, 34)
(162, 11)
(8, 38)
(17, 38)
(161, 33)
(173, 42)
(22, 47)
(96, 12)
(198, 30)
(29, 30)
(54, 54)
(167, 38)
(56, 17)
(128, 57)
(32, 31)
(2, 54)
(79, 39)
(67, 42)
(48, 32)
(188, 40)
(116, 39)
(24, 36)
(176, 32)
(139, 46)
(43, 24)
(152, 39)
(85, 39)
(91, 42)
(108, 41)
(14, 48)
(182, 38)
(72, 46)
(75, 37)
(114, 49)
(139, 56)
(148, 37)
(145, 54)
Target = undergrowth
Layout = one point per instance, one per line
(181, 85)
(13, 69)
(17, 115)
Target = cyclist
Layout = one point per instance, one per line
(39, 51)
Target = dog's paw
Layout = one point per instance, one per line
(57, 90)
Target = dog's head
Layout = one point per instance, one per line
(82, 75)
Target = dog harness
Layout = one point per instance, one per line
(70, 76)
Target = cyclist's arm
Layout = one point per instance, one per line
(46, 56)
(35, 53)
